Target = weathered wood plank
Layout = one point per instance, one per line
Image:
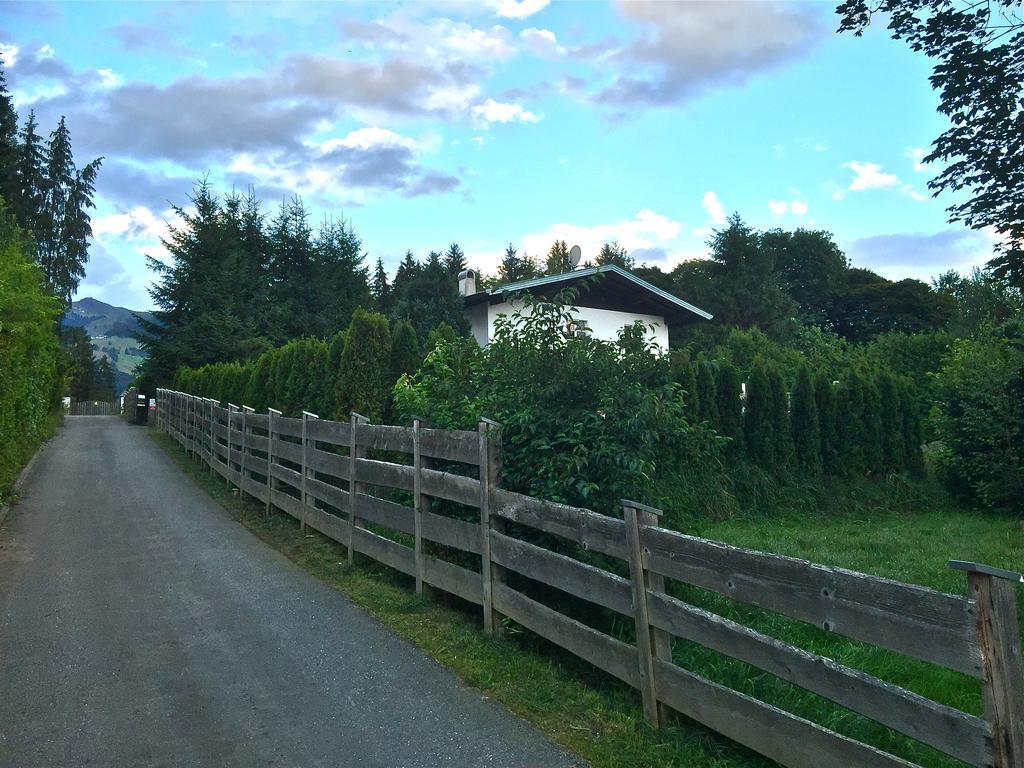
(326, 431)
(579, 579)
(446, 485)
(452, 532)
(1002, 679)
(286, 503)
(327, 493)
(452, 578)
(385, 551)
(385, 438)
(590, 529)
(327, 463)
(783, 737)
(286, 450)
(289, 476)
(257, 421)
(254, 488)
(450, 445)
(949, 730)
(256, 443)
(331, 526)
(913, 620)
(613, 656)
(386, 513)
(286, 425)
(384, 473)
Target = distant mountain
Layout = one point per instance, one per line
(102, 319)
(113, 331)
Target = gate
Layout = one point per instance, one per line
(94, 408)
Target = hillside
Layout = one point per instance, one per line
(112, 330)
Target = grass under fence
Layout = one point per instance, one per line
(600, 718)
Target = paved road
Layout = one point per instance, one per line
(141, 626)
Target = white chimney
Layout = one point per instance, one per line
(467, 282)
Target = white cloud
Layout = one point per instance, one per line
(467, 41)
(911, 192)
(517, 9)
(140, 223)
(869, 176)
(45, 52)
(492, 111)
(109, 78)
(917, 155)
(798, 208)
(8, 54)
(542, 42)
(777, 207)
(645, 230)
(365, 138)
(780, 207)
(714, 208)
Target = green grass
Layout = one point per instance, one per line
(906, 532)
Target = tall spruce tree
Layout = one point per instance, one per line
(613, 253)
(805, 425)
(558, 259)
(342, 280)
(380, 288)
(9, 147)
(454, 260)
(64, 226)
(730, 408)
(29, 192)
(514, 267)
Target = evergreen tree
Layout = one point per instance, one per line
(613, 253)
(891, 418)
(29, 192)
(782, 441)
(9, 147)
(293, 274)
(825, 402)
(911, 423)
(442, 334)
(341, 279)
(104, 386)
(362, 383)
(256, 391)
(757, 419)
(380, 289)
(514, 268)
(558, 259)
(454, 260)
(805, 425)
(405, 350)
(80, 364)
(63, 229)
(682, 371)
(707, 395)
(730, 408)
(426, 295)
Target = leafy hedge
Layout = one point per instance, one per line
(31, 377)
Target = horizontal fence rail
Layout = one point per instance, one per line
(428, 503)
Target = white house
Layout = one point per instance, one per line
(608, 298)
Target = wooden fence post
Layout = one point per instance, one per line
(354, 453)
(651, 643)
(998, 636)
(490, 471)
(213, 432)
(306, 417)
(232, 408)
(417, 502)
(246, 410)
(271, 413)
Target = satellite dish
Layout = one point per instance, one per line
(574, 256)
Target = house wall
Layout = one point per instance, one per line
(604, 324)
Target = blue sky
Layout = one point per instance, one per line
(487, 123)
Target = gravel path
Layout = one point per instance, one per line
(141, 626)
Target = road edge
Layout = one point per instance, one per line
(19, 481)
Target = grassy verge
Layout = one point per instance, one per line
(17, 452)
(583, 710)
(906, 533)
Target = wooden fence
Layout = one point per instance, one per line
(321, 473)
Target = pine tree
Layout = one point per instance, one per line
(558, 259)
(28, 196)
(806, 429)
(341, 279)
(613, 253)
(454, 260)
(707, 395)
(362, 384)
(380, 289)
(825, 402)
(730, 408)
(64, 226)
(514, 268)
(9, 148)
(757, 419)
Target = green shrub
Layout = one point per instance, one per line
(828, 425)
(758, 426)
(806, 430)
(363, 378)
(707, 395)
(730, 408)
